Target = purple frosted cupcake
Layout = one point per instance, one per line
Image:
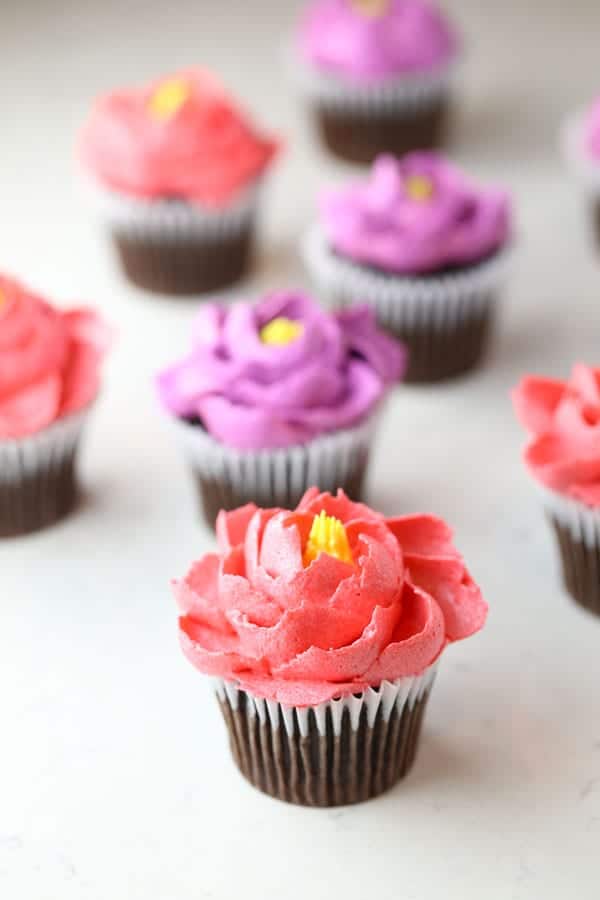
(426, 248)
(277, 397)
(377, 73)
(581, 140)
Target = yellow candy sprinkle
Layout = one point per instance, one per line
(168, 99)
(281, 331)
(3, 300)
(327, 535)
(419, 188)
(371, 8)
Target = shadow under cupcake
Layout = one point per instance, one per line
(277, 396)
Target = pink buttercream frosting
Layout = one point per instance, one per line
(416, 215)
(563, 419)
(257, 614)
(591, 131)
(181, 137)
(49, 360)
(372, 40)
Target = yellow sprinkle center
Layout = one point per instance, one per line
(371, 8)
(419, 188)
(167, 100)
(281, 331)
(327, 535)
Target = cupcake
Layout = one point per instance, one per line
(377, 74)
(426, 248)
(49, 379)
(563, 455)
(175, 171)
(323, 629)
(277, 396)
(581, 140)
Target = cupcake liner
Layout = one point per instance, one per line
(443, 319)
(229, 478)
(340, 752)
(577, 529)
(169, 246)
(38, 478)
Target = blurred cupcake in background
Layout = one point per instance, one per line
(277, 396)
(563, 456)
(426, 248)
(175, 171)
(377, 73)
(322, 628)
(49, 379)
(581, 144)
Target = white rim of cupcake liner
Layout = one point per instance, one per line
(325, 461)
(169, 219)
(389, 695)
(402, 301)
(585, 169)
(23, 457)
(403, 93)
(582, 521)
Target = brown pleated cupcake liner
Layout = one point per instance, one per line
(188, 266)
(580, 565)
(38, 483)
(360, 136)
(228, 478)
(316, 761)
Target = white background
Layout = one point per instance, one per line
(115, 777)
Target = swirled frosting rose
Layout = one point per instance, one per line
(281, 372)
(563, 419)
(179, 138)
(371, 40)
(415, 215)
(325, 601)
(49, 360)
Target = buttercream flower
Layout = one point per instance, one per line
(563, 419)
(415, 215)
(49, 360)
(373, 40)
(281, 372)
(181, 137)
(325, 601)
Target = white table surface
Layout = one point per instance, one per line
(115, 777)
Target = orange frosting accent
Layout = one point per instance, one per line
(371, 8)
(327, 535)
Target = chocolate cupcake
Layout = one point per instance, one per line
(174, 170)
(377, 73)
(323, 638)
(276, 396)
(563, 455)
(49, 364)
(581, 142)
(426, 248)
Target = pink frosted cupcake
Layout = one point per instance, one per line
(581, 139)
(277, 396)
(563, 455)
(49, 378)
(426, 247)
(175, 170)
(377, 73)
(323, 629)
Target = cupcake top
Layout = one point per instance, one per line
(563, 420)
(414, 216)
(49, 360)
(325, 601)
(368, 41)
(280, 372)
(181, 137)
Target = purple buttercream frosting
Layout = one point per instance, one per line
(253, 395)
(371, 40)
(591, 131)
(414, 216)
